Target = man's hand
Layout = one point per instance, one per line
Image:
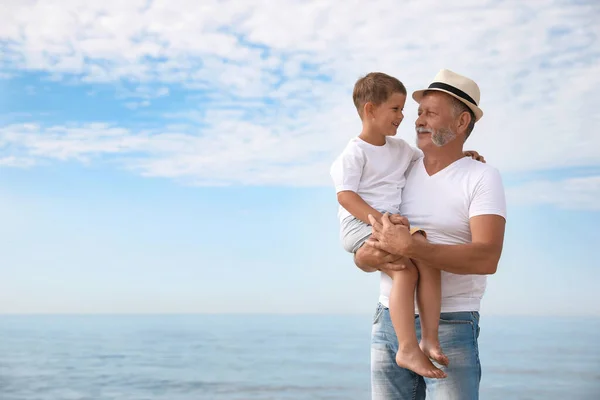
(400, 264)
(392, 238)
(474, 155)
(370, 259)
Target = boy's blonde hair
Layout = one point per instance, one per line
(375, 87)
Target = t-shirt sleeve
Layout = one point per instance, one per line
(417, 154)
(347, 169)
(489, 196)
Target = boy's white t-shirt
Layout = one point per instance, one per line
(375, 173)
(442, 205)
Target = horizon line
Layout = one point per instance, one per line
(243, 314)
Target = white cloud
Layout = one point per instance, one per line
(12, 161)
(581, 193)
(205, 159)
(274, 79)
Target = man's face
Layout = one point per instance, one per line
(436, 120)
(388, 115)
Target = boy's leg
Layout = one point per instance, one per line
(388, 381)
(354, 233)
(429, 300)
(402, 307)
(402, 314)
(459, 333)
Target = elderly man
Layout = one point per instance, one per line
(460, 203)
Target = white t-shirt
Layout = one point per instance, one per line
(375, 173)
(442, 205)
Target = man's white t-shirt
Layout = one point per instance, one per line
(375, 173)
(442, 205)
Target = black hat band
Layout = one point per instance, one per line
(453, 90)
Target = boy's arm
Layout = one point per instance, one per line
(356, 206)
(418, 154)
(346, 172)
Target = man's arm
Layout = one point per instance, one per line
(370, 259)
(481, 256)
(487, 223)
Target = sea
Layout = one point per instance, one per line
(252, 357)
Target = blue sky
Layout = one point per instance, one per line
(162, 157)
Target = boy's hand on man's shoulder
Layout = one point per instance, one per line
(474, 155)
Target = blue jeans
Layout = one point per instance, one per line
(458, 335)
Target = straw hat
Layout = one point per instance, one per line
(458, 86)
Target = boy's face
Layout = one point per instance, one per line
(388, 115)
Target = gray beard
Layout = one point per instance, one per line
(442, 137)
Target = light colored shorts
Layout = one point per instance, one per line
(354, 233)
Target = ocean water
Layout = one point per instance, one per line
(269, 357)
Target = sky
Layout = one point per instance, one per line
(173, 156)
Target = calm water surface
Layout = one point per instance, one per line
(268, 357)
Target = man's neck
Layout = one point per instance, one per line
(439, 158)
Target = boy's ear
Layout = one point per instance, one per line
(368, 109)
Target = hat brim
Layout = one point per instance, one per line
(418, 95)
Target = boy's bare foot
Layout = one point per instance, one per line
(414, 359)
(433, 350)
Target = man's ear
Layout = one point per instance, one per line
(463, 122)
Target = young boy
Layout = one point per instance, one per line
(369, 177)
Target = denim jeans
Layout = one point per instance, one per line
(458, 335)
